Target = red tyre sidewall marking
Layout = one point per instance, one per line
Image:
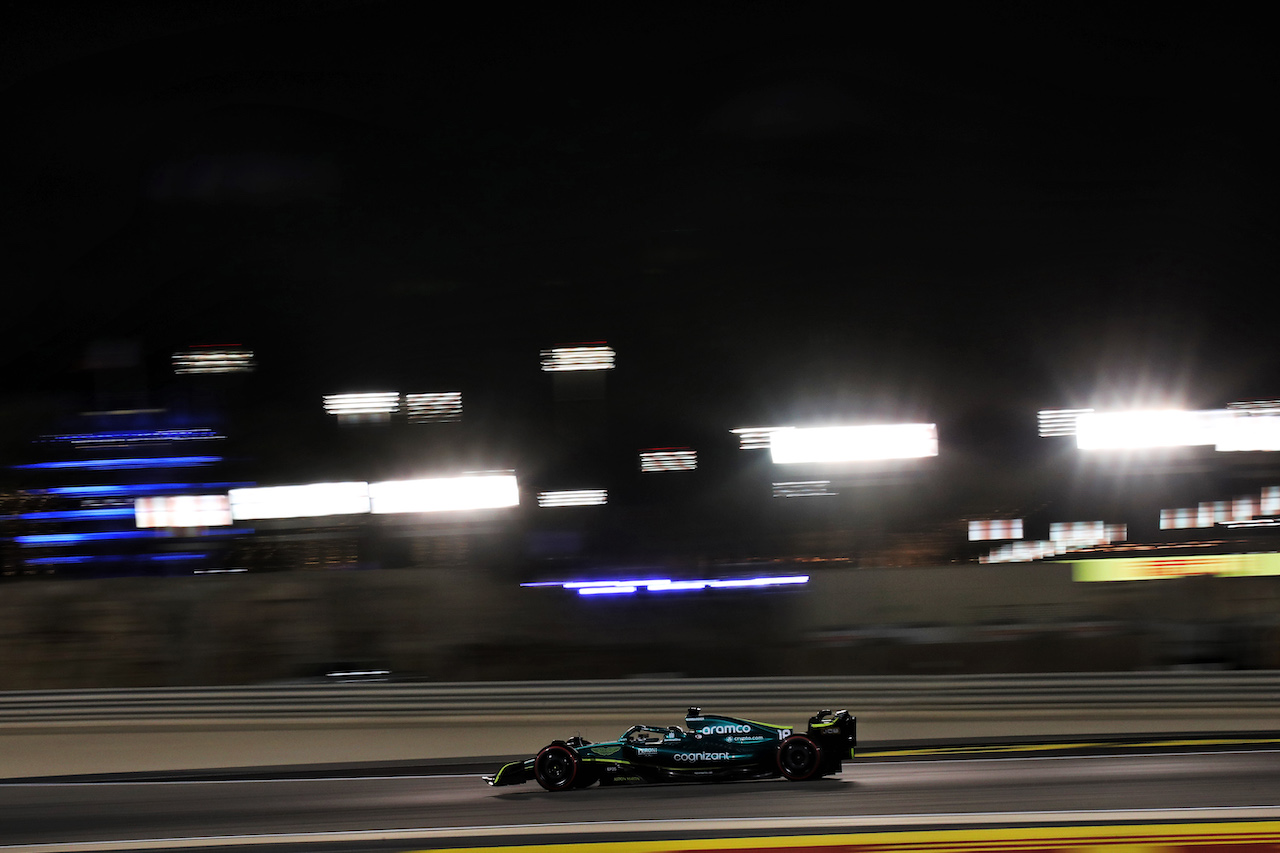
(573, 762)
(817, 756)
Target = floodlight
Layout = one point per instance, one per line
(578, 357)
(1249, 431)
(183, 511)
(373, 403)
(660, 460)
(854, 443)
(1057, 422)
(213, 360)
(1145, 429)
(435, 408)
(983, 530)
(575, 497)
(316, 499)
(445, 494)
(803, 489)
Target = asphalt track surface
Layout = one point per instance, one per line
(352, 808)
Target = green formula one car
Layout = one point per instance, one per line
(709, 748)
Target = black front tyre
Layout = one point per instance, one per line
(800, 758)
(556, 767)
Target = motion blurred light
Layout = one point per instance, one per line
(373, 405)
(128, 464)
(1253, 426)
(434, 408)
(593, 356)
(1154, 568)
(183, 511)
(1077, 532)
(1249, 431)
(803, 489)
(631, 585)
(1069, 535)
(574, 497)
(1185, 518)
(983, 530)
(97, 513)
(1269, 504)
(213, 360)
(754, 438)
(853, 443)
(134, 489)
(316, 499)
(1143, 429)
(661, 460)
(1264, 407)
(1021, 552)
(131, 437)
(445, 494)
(1058, 422)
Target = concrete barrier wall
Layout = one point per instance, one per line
(45, 733)
(454, 624)
(605, 698)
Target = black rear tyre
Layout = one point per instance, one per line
(556, 767)
(800, 758)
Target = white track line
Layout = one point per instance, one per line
(688, 826)
(266, 781)
(850, 766)
(924, 759)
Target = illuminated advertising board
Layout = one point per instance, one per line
(1155, 568)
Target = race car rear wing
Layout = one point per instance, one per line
(836, 732)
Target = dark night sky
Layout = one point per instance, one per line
(774, 211)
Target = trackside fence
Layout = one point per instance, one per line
(1155, 692)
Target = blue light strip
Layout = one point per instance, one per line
(136, 436)
(138, 489)
(629, 586)
(126, 464)
(47, 539)
(72, 538)
(116, 558)
(607, 590)
(79, 514)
